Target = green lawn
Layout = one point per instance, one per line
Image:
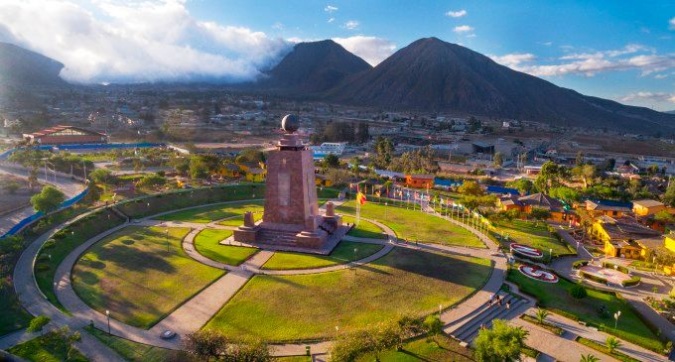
(556, 298)
(135, 275)
(365, 229)
(238, 220)
(283, 308)
(66, 240)
(207, 244)
(527, 233)
(138, 352)
(210, 213)
(343, 253)
(52, 347)
(419, 350)
(415, 225)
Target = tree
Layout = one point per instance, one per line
(612, 343)
(198, 168)
(540, 214)
(580, 159)
(589, 358)
(384, 152)
(37, 324)
(11, 187)
(331, 161)
(47, 200)
(498, 159)
(564, 193)
(549, 176)
(500, 343)
(151, 180)
(578, 292)
(433, 326)
(102, 176)
(664, 217)
(669, 196)
(523, 185)
(470, 188)
(541, 315)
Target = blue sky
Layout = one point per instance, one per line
(622, 50)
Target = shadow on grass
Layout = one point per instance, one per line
(129, 258)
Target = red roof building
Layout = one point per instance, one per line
(61, 135)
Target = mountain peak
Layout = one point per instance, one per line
(315, 67)
(22, 66)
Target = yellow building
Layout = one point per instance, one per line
(256, 175)
(626, 238)
(607, 208)
(647, 207)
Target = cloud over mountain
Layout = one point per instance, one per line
(137, 42)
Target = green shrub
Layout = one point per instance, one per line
(592, 277)
(620, 268)
(41, 267)
(578, 292)
(631, 282)
(49, 244)
(579, 263)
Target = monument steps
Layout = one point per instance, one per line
(268, 236)
(468, 331)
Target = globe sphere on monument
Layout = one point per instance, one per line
(290, 123)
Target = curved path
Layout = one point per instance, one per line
(194, 313)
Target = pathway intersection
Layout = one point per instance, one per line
(196, 312)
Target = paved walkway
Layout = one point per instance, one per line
(197, 311)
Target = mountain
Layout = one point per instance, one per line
(314, 67)
(433, 75)
(670, 112)
(19, 66)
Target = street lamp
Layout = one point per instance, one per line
(550, 255)
(616, 318)
(440, 309)
(107, 313)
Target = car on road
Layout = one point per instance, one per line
(167, 334)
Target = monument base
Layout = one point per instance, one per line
(300, 243)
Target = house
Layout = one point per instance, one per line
(255, 174)
(322, 180)
(63, 135)
(231, 170)
(647, 207)
(509, 202)
(559, 212)
(532, 169)
(419, 181)
(624, 237)
(608, 208)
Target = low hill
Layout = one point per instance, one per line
(19, 66)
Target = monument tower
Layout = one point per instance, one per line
(291, 217)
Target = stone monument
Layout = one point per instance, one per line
(291, 218)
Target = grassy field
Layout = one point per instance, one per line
(419, 350)
(527, 233)
(52, 347)
(415, 225)
(135, 275)
(238, 220)
(311, 306)
(138, 352)
(207, 244)
(365, 229)
(556, 297)
(212, 213)
(65, 241)
(343, 253)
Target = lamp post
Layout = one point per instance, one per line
(440, 309)
(550, 255)
(107, 313)
(616, 318)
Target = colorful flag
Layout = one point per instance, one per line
(361, 198)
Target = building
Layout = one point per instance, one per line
(608, 208)
(255, 174)
(624, 237)
(559, 211)
(647, 207)
(419, 181)
(63, 135)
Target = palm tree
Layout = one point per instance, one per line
(612, 343)
(588, 358)
(541, 315)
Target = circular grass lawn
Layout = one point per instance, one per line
(286, 308)
(138, 276)
(365, 228)
(344, 253)
(415, 225)
(211, 213)
(207, 243)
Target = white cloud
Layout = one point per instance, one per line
(456, 14)
(461, 29)
(331, 20)
(589, 64)
(372, 49)
(649, 96)
(330, 9)
(514, 59)
(351, 24)
(137, 42)
(671, 24)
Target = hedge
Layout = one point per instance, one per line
(579, 263)
(620, 268)
(592, 277)
(631, 282)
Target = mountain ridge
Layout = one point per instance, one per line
(22, 66)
